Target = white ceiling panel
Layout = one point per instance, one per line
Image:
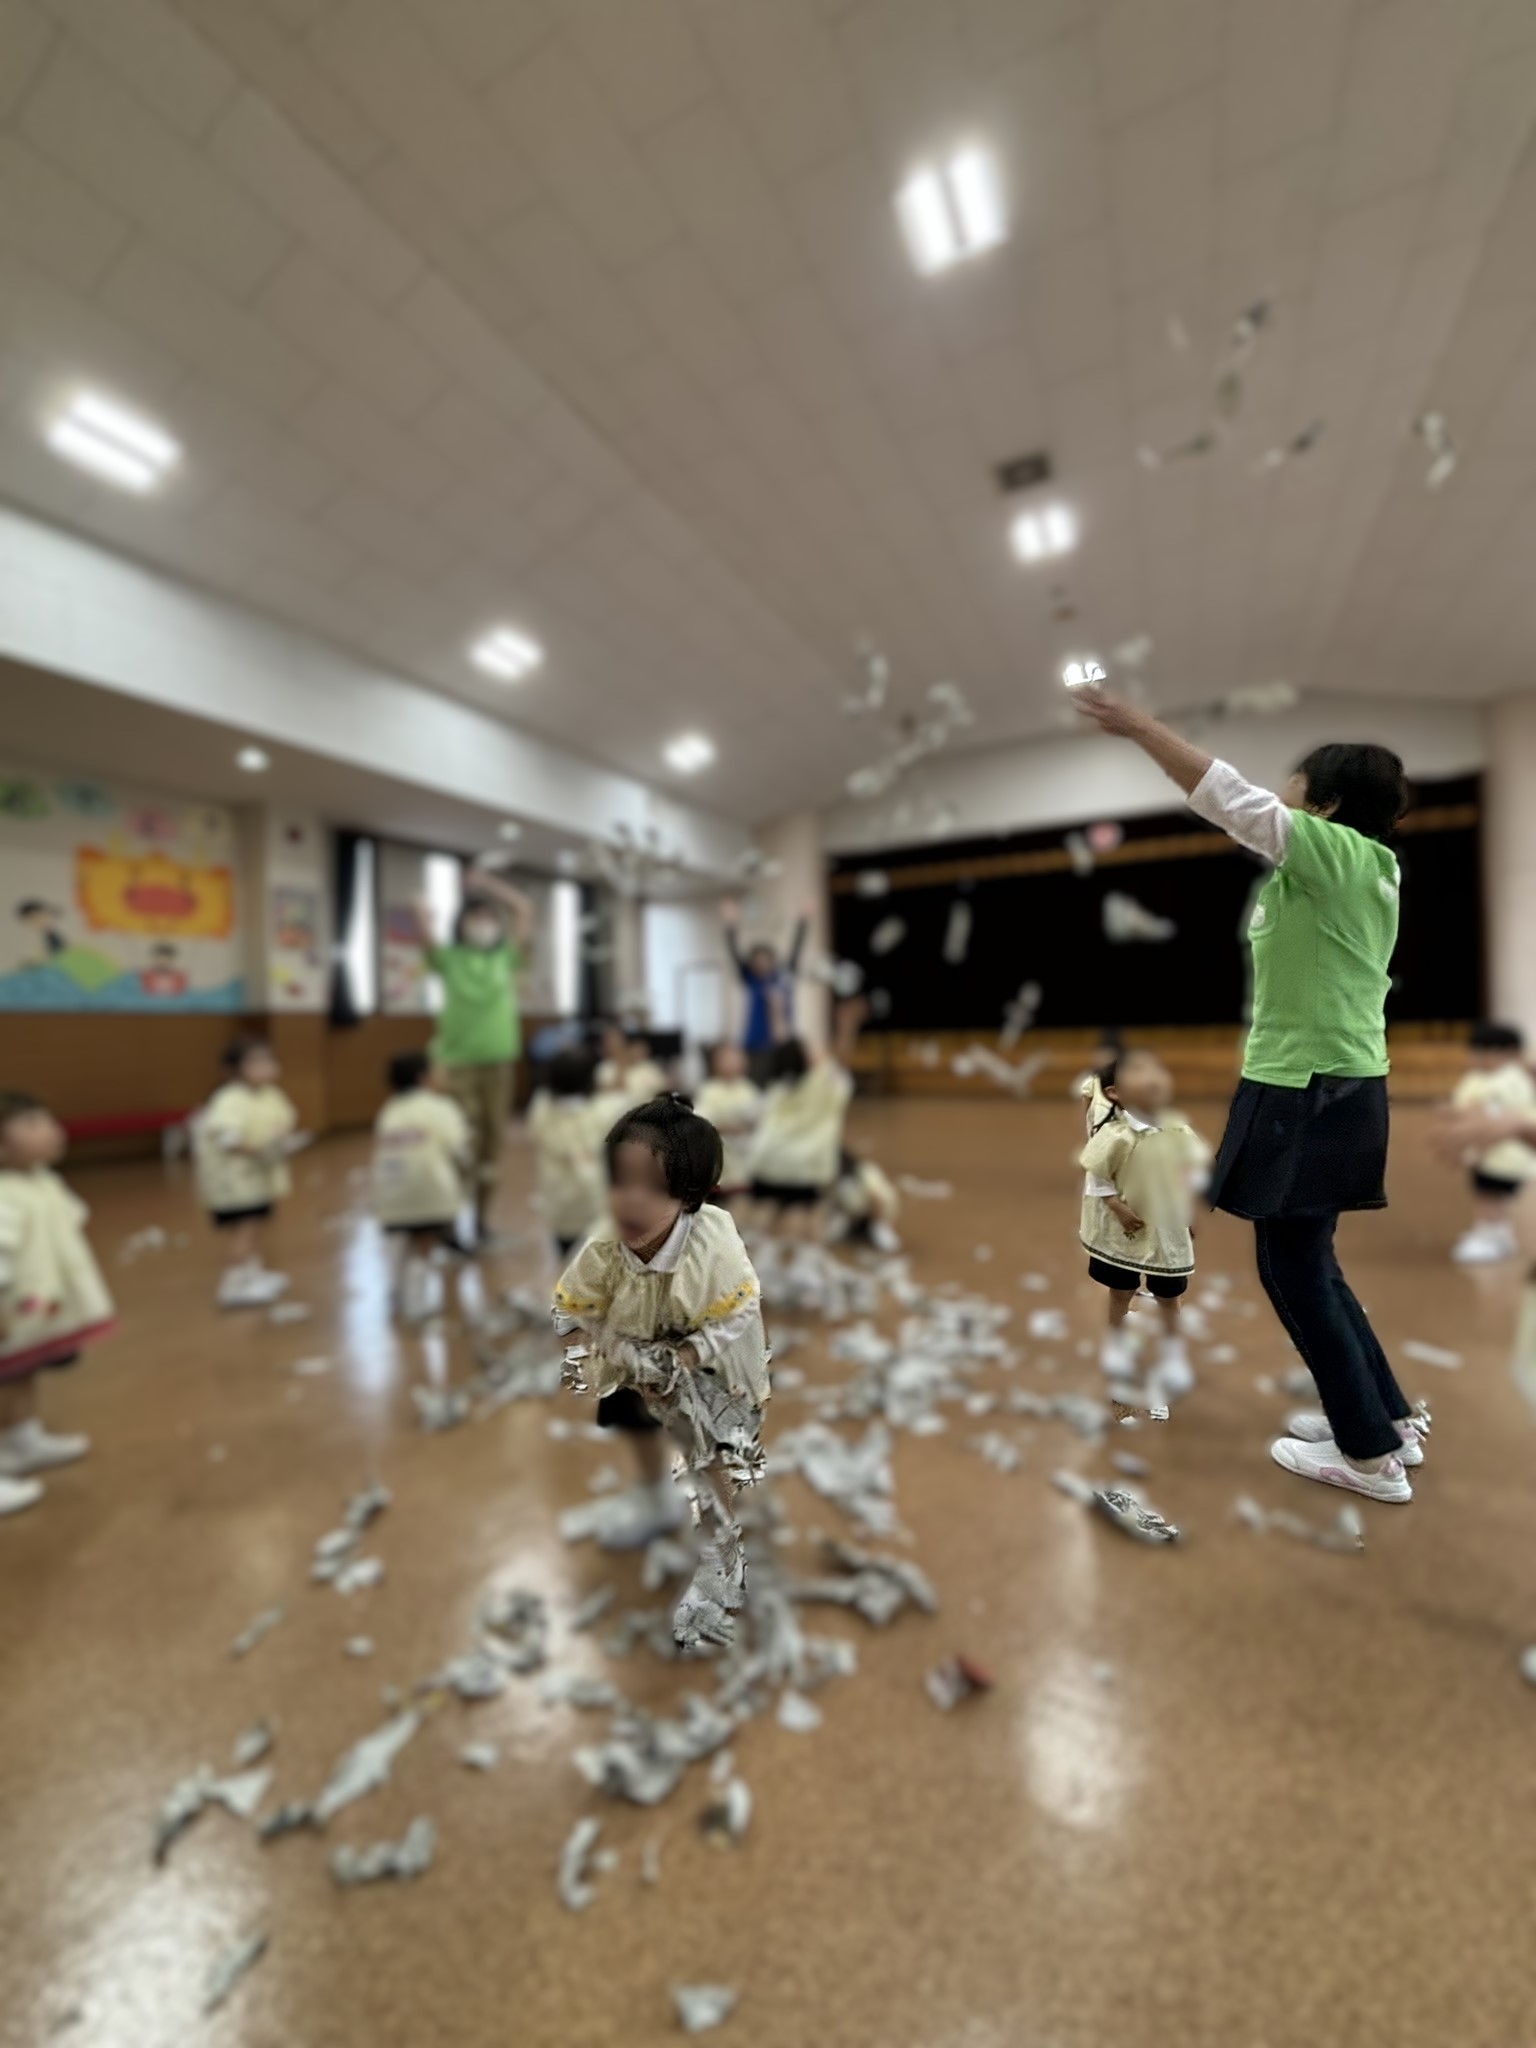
(596, 317)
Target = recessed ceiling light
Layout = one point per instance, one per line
(1046, 531)
(119, 446)
(1083, 673)
(507, 653)
(253, 760)
(953, 211)
(509, 829)
(689, 752)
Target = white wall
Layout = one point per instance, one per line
(689, 981)
(1040, 783)
(1509, 862)
(82, 611)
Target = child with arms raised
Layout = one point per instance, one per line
(666, 1301)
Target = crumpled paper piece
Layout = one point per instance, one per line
(576, 1890)
(240, 1793)
(263, 1625)
(956, 1680)
(366, 1765)
(1000, 1451)
(1131, 1516)
(520, 1620)
(796, 1713)
(700, 2007)
(875, 1586)
(1345, 1532)
(441, 1408)
(406, 1859)
(1431, 1354)
(1128, 922)
(228, 1969)
(856, 1477)
(645, 1755)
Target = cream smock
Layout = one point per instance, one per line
(733, 1107)
(799, 1140)
(52, 1296)
(629, 1085)
(1156, 1170)
(1507, 1091)
(420, 1144)
(258, 1120)
(568, 1133)
(699, 1286)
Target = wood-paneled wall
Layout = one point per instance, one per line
(98, 1066)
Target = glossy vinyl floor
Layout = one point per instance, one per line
(1299, 1807)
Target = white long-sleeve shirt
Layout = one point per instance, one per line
(1254, 817)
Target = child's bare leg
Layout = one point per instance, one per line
(18, 1400)
(650, 1448)
(1120, 1299)
(1495, 1210)
(243, 1244)
(1168, 1315)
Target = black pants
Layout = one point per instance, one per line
(1301, 1275)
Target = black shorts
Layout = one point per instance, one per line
(438, 1229)
(1303, 1151)
(231, 1219)
(788, 1194)
(1165, 1286)
(1494, 1184)
(624, 1409)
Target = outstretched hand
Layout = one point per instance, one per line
(1109, 714)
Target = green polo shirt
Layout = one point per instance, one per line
(479, 1025)
(1322, 934)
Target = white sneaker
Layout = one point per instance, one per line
(28, 1447)
(16, 1494)
(1173, 1376)
(1312, 1426)
(249, 1287)
(1485, 1244)
(1327, 1464)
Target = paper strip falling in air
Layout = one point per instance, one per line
(1431, 1354)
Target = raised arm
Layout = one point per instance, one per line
(1254, 817)
(730, 924)
(421, 910)
(802, 929)
(847, 1021)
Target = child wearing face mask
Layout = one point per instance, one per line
(667, 1307)
(242, 1144)
(1144, 1166)
(479, 1031)
(53, 1300)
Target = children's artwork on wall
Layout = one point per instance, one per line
(114, 899)
(296, 853)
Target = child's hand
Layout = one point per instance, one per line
(1124, 1215)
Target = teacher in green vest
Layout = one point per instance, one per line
(479, 1030)
(1306, 1138)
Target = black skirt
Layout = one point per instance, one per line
(1303, 1151)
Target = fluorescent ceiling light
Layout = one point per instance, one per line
(509, 829)
(952, 212)
(1083, 673)
(121, 447)
(253, 760)
(1049, 530)
(689, 752)
(507, 653)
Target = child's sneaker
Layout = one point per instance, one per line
(1326, 1463)
(27, 1447)
(249, 1287)
(16, 1494)
(1485, 1244)
(1311, 1426)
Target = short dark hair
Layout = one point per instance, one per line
(1496, 1038)
(1365, 784)
(407, 1070)
(239, 1050)
(789, 1061)
(31, 905)
(573, 1072)
(16, 1102)
(687, 1145)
